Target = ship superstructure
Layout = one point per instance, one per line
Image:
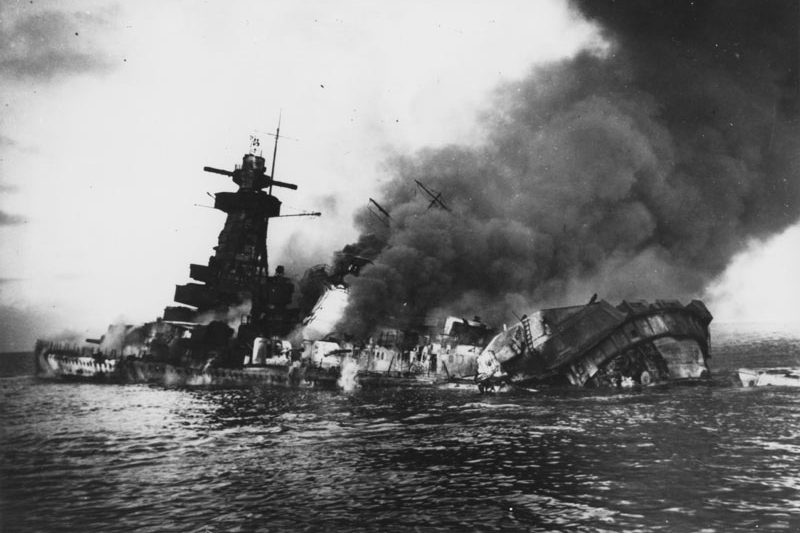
(237, 276)
(235, 317)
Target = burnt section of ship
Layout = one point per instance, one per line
(237, 275)
(600, 345)
(434, 352)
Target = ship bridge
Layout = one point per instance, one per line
(238, 272)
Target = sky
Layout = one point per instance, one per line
(109, 111)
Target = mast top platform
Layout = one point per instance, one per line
(251, 174)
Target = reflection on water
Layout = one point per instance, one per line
(118, 458)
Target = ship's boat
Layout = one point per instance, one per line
(777, 377)
(598, 344)
(232, 326)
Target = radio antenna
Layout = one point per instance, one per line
(275, 149)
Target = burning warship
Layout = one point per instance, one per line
(240, 325)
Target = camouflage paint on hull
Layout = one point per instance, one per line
(56, 361)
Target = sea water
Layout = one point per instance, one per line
(715, 457)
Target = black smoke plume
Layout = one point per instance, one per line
(633, 172)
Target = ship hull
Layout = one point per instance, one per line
(59, 363)
(373, 379)
(53, 361)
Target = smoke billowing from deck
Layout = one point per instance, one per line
(634, 172)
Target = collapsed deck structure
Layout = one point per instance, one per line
(599, 344)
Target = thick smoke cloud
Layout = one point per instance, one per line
(636, 172)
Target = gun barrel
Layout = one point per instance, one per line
(275, 183)
(218, 171)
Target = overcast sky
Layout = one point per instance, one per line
(108, 112)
